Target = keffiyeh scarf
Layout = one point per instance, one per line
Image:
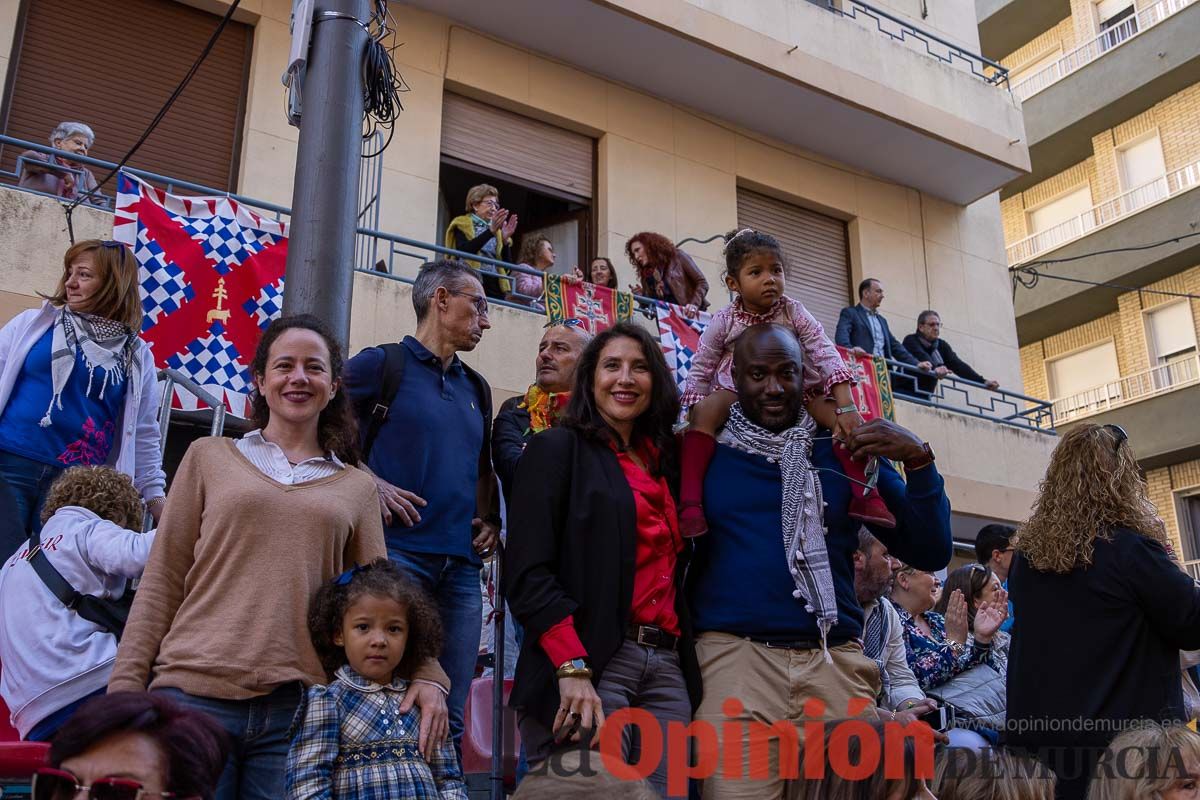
(106, 346)
(803, 523)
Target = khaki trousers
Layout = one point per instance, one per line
(749, 687)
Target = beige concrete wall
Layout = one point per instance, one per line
(1177, 121)
(990, 470)
(33, 239)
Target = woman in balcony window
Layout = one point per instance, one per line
(666, 272)
(486, 229)
(77, 385)
(57, 175)
(537, 252)
(1103, 608)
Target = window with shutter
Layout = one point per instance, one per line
(1084, 379)
(1171, 332)
(112, 64)
(814, 247)
(1142, 172)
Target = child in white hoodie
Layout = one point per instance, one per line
(52, 659)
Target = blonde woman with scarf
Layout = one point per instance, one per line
(77, 385)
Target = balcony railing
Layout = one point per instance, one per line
(962, 396)
(1192, 568)
(1085, 54)
(1106, 213)
(906, 33)
(1139, 386)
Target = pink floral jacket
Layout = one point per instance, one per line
(712, 367)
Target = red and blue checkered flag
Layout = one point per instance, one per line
(211, 274)
(680, 338)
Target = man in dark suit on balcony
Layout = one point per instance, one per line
(927, 344)
(862, 329)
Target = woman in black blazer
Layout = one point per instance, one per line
(595, 561)
(1102, 610)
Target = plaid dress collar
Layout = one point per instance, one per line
(351, 678)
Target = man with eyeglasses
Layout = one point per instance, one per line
(927, 345)
(993, 548)
(425, 421)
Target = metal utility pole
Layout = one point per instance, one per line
(320, 277)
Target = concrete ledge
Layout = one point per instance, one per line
(1054, 306)
(991, 470)
(1162, 430)
(1006, 25)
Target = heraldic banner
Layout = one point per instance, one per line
(873, 392)
(597, 308)
(211, 274)
(679, 336)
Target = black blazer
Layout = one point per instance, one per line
(571, 549)
(510, 434)
(854, 330)
(1097, 643)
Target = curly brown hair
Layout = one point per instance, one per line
(105, 492)
(1092, 486)
(659, 249)
(380, 578)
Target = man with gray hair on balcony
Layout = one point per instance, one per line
(59, 175)
(927, 344)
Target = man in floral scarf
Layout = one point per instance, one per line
(538, 409)
(771, 586)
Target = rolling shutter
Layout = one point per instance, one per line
(814, 246)
(532, 152)
(112, 64)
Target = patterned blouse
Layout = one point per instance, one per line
(936, 660)
(354, 743)
(712, 367)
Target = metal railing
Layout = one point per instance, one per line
(1129, 389)
(1088, 52)
(1102, 214)
(1192, 568)
(906, 33)
(963, 396)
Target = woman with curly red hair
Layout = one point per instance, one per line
(666, 272)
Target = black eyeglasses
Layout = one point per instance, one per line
(58, 784)
(569, 322)
(1119, 436)
(481, 305)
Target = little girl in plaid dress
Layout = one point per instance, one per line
(369, 625)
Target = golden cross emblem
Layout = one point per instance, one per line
(219, 313)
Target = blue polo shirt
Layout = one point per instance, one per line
(738, 581)
(429, 444)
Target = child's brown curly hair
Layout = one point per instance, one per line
(102, 490)
(380, 578)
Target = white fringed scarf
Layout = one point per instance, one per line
(106, 345)
(803, 510)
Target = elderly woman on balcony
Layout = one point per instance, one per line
(58, 175)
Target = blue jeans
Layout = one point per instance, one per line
(454, 585)
(258, 730)
(28, 481)
(44, 731)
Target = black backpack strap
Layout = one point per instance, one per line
(389, 384)
(55, 582)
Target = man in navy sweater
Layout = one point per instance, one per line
(774, 630)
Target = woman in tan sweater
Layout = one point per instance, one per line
(251, 530)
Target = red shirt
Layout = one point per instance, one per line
(657, 552)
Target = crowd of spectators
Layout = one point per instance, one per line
(309, 600)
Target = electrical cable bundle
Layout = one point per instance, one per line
(382, 83)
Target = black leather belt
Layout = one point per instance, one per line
(652, 636)
(801, 644)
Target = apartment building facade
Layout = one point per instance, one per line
(870, 135)
(1111, 95)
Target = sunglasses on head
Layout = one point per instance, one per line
(569, 322)
(58, 784)
(1119, 436)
